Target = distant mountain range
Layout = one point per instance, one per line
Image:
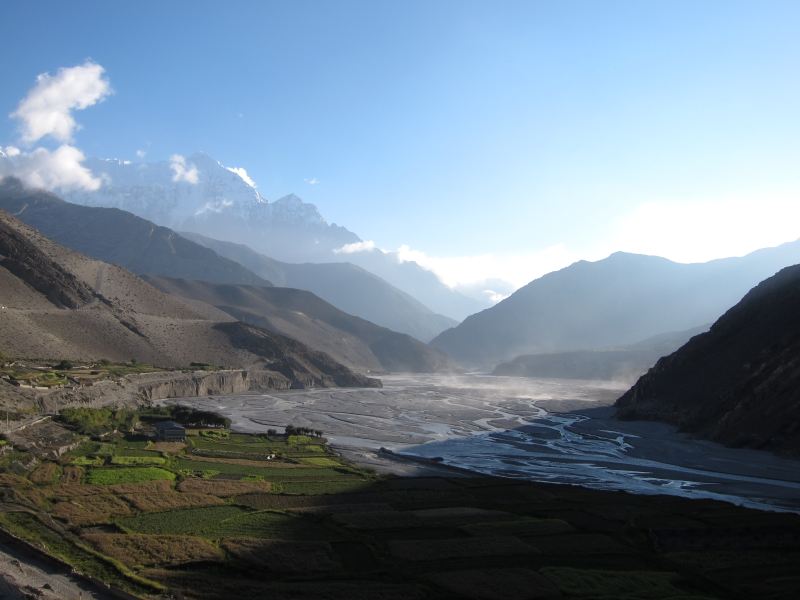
(223, 205)
(739, 383)
(346, 286)
(59, 304)
(625, 363)
(119, 237)
(609, 303)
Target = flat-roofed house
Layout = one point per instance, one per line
(170, 431)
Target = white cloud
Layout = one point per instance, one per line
(241, 172)
(47, 109)
(214, 207)
(312, 181)
(60, 169)
(514, 268)
(494, 297)
(141, 153)
(365, 246)
(183, 171)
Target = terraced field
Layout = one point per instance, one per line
(242, 516)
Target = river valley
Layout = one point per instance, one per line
(550, 430)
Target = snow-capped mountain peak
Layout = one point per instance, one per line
(200, 194)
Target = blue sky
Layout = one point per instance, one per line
(483, 138)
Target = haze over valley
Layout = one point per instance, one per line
(388, 301)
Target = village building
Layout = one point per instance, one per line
(170, 431)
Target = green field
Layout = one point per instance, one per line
(148, 459)
(218, 520)
(116, 475)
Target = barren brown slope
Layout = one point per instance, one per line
(58, 304)
(303, 316)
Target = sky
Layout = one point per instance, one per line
(492, 139)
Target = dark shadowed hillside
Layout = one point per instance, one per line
(346, 286)
(119, 237)
(612, 302)
(305, 317)
(740, 382)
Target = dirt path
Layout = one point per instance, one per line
(24, 575)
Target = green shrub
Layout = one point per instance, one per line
(95, 421)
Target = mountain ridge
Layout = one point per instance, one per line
(119, 237)
(738, 383)
(615, 301)
(60, 304)
(220, 203)
(299, 314)
(345, 285)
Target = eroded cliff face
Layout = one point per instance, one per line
(155, 386)
(135, 390)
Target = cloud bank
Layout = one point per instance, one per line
(60, 169)
(46, 112)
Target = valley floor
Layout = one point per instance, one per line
(545, 430)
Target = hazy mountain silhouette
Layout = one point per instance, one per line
(346, 286)
(612, 302)
(739, 383)
(424, 285)
(625, 363)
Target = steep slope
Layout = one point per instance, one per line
(611, 302)
(626, 363)
(739, 383)
(303, 316)
(346, 286)
(118, 237)
(58, 304)
(224, 205)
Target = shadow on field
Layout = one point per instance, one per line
(488, 538)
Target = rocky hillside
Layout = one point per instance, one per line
(613, 302)
(58, 304)
(303, 316)
(120, 238)
(347, 286)
(738, 384)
